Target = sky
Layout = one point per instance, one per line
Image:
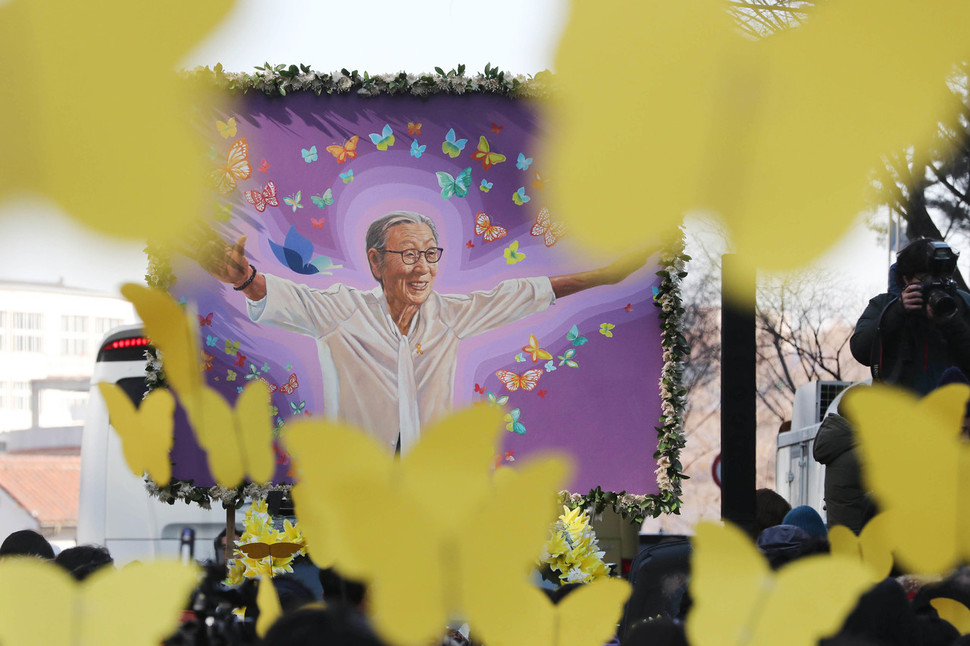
(39, 243)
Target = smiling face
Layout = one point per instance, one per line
(405, 285)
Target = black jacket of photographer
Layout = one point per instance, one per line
(907, 348)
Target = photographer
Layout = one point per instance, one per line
(910, 337)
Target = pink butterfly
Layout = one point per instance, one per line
(264, 199)
(317, 224)
(263, 166)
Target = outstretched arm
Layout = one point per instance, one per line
(613, 273)
(229, 265)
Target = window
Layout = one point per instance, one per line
(104, 325)
(27, 321)
(20, 395)
(76, 324)
(26, 343)
(74, 347)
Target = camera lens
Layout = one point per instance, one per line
(941, 303)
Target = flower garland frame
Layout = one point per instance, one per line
(280, 80)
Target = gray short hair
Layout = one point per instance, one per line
(378, 230)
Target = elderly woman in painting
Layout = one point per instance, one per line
(389, 355)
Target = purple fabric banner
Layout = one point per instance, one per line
(597, 398)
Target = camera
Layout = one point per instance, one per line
(940, 290)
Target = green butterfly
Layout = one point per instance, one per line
(323, 200)
(454, 185)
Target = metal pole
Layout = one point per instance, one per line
(738, 416)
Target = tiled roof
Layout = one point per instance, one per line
(47, 486)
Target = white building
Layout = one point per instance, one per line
(49, 335)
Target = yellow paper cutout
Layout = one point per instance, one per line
(873, 547)
(461, 538)
(739, 600)
(777, 135)
(238, 440)
(145, 432)
(899, 433)
(112, 138)
(268, 601)
(587, 615)
(138, 605)
(954, 612)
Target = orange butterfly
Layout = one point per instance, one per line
(539, 183)
(484, 227)
(470, 244)
(414, 128)
(317, 224)
(205, 320)
(345, 152)
(237, 167)
(528, 380)
(263, 199)
(629, 307)
(484, 154)
(479, 389)
(542, 393)
(535, 351)
(496, 128)
(207, 360)
(290, 385)
(263, 166)
(550, 231)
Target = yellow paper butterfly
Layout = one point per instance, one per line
(145, 432)
(238, 440)
(76, 151)
(929, 532)
(110, 608)
(586, 616)
(739, 600)
(954, 612)
(227, 128)
(775, 95)
(439, 490)
(873, 546)
(268, 600)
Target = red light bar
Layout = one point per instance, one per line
(134, 342)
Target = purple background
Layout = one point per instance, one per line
(603, 412)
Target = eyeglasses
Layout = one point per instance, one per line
(411, 256)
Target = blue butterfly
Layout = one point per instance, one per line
(294, 200)
(498, 401)
(451, 146)
(265, 367)
(348, 176)
(211, 340)
(384, 140)
(519, 358)
(454, 185)
(550, 366)
(253, 372)
(519, 197)
(512, 422)
(574, 337)
(309, 155)
(297, 408)
(523, 162)
(486, 186)
(239, 389)
(296, 253)
(416, 150)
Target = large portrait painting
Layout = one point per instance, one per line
(303, 177)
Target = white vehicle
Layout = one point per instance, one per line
(115, 509)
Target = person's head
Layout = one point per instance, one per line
(769, 510)
(924, 259)
(219, 544)
(26, 542)
(83, 560)
(311, 625)
(399, 252)
(806, 518)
